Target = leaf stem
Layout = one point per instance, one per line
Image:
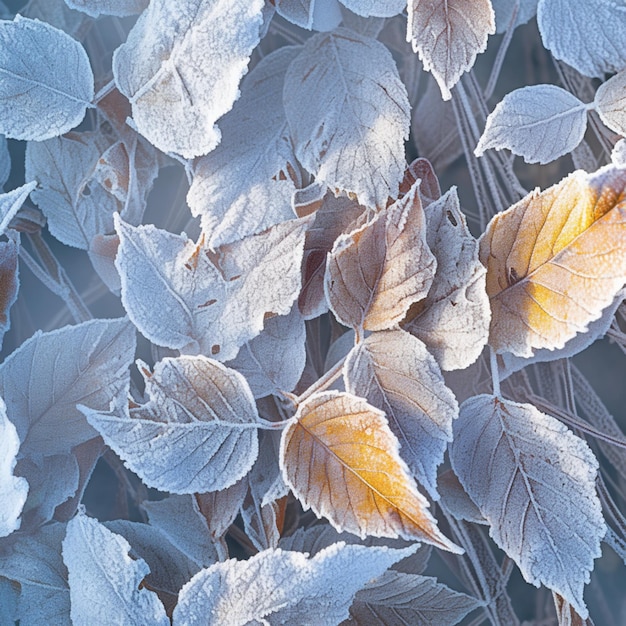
(323, 383)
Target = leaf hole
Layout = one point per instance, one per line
(451, 218)
(215, 349)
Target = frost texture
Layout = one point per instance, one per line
(504, 13)
(198, 432)
(610, 103)
(11, 202)
(119, 8)
(348, 114)
(283, 587)
(104, 581)
(534, 482)
(180, 68)
(47, 82)
(375, 8)
(540, 123)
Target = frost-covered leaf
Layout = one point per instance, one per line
(220, 508)
(453, 320)
(421, 170)
(274, 360)
(43, 380)
(447, 35)
(299, 12)
(9, 282)
(244, 185)
(183, 296)
(395, 373)
(348, 114)
(375, 8)
(610, 102)
(13, 490)
(279, 587)
(555, 261)
(11, 202)
(47, 82)
(455, 501)
(5, 161)
(618, 154)
(105, 582)
(181, 79)
(341, 459)
(534, 482)
(197, 433)
(527, 9)
(584, 34)
(540, 123)
(119, 8)
(376, 272)
(397, 599)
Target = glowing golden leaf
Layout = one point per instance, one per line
(341, 459)
(555, 260)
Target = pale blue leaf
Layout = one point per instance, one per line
(11, 202)
(320, 15)
(527, 9)
(5, 161)
(58, 14)
(43, 380)
(104, 580)
(283, 587)
(119, 8)
(9, 591)
(181, 79)
(375, 8)
(197, 433)
(46, 82)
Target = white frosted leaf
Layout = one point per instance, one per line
(183, 296)
(299, 12)
(181, 79)
(283, 587)
(197, 433)
(375, 8)
(397, 599)
(13, 490)
(119, 8)
(244, 185)
(527, 9)
(47, 82)
(9, 282)
(534, 482)
(395, 373)
(447, 35)
(618, 154)
(104, 580)
(220, 508)
(5, 161)
(610, 102)
(274, 360)
(43, 380)
(540, 123)
(453, 320)
(11, 202)
(584, 34)
(348, 114)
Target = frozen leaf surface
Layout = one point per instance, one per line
(540, 123)
(395, 373)
(43, 380)
(348, 114)
(280, 587)
(119, 8)
(555, 261)
(181, 79)
(610, 102)
(47, 82)
(183, 296)
(11, 202)
(448, 34)
(375, 8)
(197, 433)
(534, 482)
(341, 459)
(244, 185)
(105, 582)
(527, 9)
(377, 271)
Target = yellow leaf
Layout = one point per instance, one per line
(555, 260)
(341, 459)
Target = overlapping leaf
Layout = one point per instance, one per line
(526, 10)
(540, 123)
(197, 433)
(180, 80)
(555, 261)
(395, 373)
(534, 482)
(448, 34)
(376, 272)
(610, 103)
(119, 8)
(11, 202)
(348, 124)
(9, 282)
(341, 459)
(375, 8)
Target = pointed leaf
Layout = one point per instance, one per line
(105, 583)
(376, 272)
(534, 482)
(554, 261)
(43, 380)
(341, 459)
(119, 8)
(220, 508)
(244, 185)
(375, 8)
(610, 102)
(11, 202)
(333, 109)
(395, 373)
(181, 79)
(281, 587)
(299, 12)
(448, 34)
(540, 123)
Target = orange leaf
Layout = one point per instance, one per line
(341, 459)
(555, 260)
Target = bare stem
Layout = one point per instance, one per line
(323, 383)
